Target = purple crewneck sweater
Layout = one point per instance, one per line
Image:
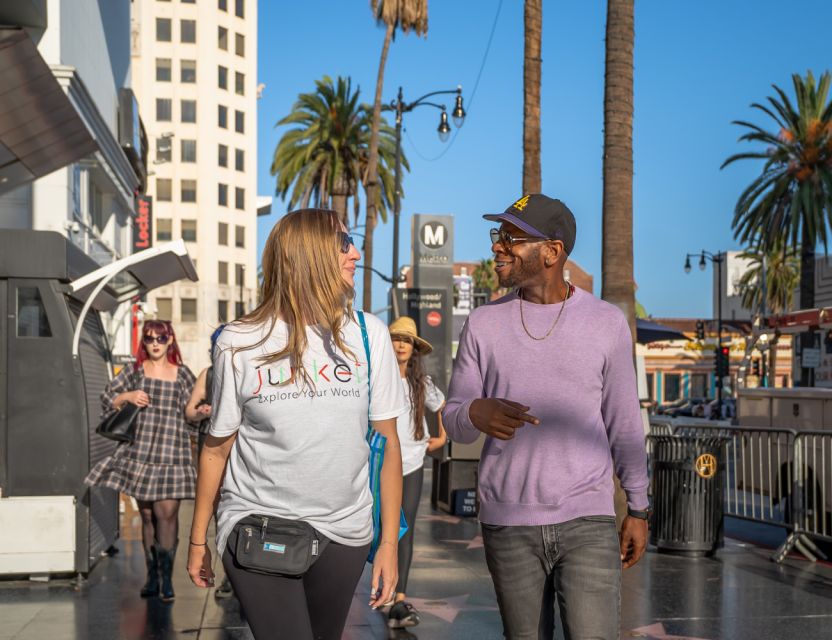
(580, 382)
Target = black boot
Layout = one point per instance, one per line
(151, 587)
(166, 570)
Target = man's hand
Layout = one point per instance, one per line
(633, 539)
(499, 418)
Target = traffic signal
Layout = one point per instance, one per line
(755, 367)
(721, 362)
(700, 330)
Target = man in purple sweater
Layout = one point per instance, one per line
(547, 374)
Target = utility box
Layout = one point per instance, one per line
(801, 409)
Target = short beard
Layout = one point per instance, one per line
(519, 274)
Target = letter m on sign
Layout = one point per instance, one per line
(434, 235)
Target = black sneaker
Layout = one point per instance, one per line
(402, 614)
(225, 590)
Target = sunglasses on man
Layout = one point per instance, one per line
(160, 339)
(346, 241)
(503, 237)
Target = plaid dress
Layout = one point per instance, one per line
(157, 465)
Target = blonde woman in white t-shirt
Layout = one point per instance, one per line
(415, 440)
(287, 443)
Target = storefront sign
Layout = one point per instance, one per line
(143, 224)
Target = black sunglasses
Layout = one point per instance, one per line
(160, 339)
(504, 238)
(346, 241)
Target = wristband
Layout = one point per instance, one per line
(641, 515)
(197, 544)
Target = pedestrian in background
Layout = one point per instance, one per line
(291, 406)
(422, 394)
(547, 374)
(156, 468)
(199, 411)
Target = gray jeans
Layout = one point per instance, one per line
(578, 561)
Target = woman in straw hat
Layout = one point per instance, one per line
(415, 441)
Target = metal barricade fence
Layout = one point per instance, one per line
(813, 484)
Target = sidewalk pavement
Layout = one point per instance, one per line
(738, 594)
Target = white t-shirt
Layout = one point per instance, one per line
(301, 452)
(413, 451)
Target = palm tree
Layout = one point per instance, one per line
(618, 285)
(484, 275)
(791, 199)
(533, 28)
(407, 15)
(323, 159)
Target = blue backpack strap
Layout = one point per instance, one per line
(362, 323)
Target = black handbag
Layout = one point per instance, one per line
(275, 546)
(121, 425)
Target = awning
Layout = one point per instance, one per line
(40, 129)
(105, 288)
(647, 332)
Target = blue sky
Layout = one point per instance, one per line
(698, 66)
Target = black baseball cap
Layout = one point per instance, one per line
(541, 217)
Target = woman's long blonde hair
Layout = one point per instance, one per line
(302, 285)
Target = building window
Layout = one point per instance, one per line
(239, 198)
(188, 1)
(188, 191)
(240, 83)
(239, 160)
(188, 309)
(164, 308)
(188, 109)
(240, 44)
(239, 274)
(187, 71)
(163, 69)
(222, 155)
(239, 121)
(222, 5)
(164, 230)
(239, 8)
(163, 29)
(222, 117)
(187, 31)
(164, 189)
(240, 309)
(699, 385)
(189, 230)
(188, 151)
(163, 149)
(240, 237)
(222, 234)
(651, 393)
(222, 272)
(222, 38)
(222, 195)
(672, 386)
(222, 77)
(163, 109)
(32, 321)
(222, 311)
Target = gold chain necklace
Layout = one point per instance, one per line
(552, 328)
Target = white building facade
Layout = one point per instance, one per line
(66, 108)
(195, 77)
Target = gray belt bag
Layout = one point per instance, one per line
(276, 546)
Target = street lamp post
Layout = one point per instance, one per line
(715, 258)
(392, 281)
(444, 129)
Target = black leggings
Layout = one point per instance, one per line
(313, 607)
(411, 494)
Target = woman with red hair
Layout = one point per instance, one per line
(156, 468)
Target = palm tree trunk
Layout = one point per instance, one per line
(533, 27)
(618, 286)
(371, 184)
(807, 300)
(340, 194)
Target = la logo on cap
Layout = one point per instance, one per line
(521, 203)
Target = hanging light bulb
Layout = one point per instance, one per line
(458, 113)
(444, 128)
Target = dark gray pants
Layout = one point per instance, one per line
(411, 493)
(578, 561)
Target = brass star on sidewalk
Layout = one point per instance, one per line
(473, 543)
(447, 609)
(657, 632)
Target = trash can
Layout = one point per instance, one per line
(688, 476)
